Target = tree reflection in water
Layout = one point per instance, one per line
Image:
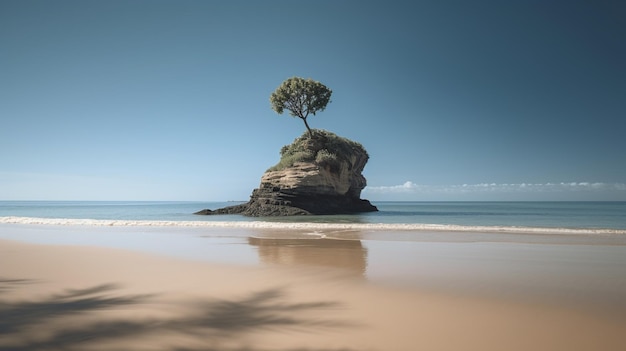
(347, 255)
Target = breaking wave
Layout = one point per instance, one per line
(307, 226)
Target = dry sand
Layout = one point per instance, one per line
(88, 298)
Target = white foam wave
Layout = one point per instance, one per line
(307, 226)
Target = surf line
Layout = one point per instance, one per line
(305, 225)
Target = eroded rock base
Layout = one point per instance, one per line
(265, 202)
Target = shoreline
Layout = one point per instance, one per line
(588, 268)
(313, 226)
(107, 298)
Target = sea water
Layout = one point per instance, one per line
(592, 217)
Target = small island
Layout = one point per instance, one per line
(315, 176)
(320, 173)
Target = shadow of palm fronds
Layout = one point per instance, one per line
(261, 310)
(18, 315)
(212, 322)
(9, 284)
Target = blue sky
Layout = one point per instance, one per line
(454, 100)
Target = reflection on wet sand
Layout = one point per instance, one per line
(349, 255)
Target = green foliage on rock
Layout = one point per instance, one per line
(325, 157)
(324, 149)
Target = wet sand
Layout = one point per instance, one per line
(278, 291)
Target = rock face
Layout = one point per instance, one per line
(319, 175)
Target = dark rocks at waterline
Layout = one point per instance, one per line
(265, 203)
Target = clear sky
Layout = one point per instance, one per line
(454, 100)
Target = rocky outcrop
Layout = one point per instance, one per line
(319, 175)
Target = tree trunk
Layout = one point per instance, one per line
(308, 128)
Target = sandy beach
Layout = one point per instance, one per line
(315, 295)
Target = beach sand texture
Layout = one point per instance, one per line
(61, 297)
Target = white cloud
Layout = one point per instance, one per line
(410, 187)
(406, 187)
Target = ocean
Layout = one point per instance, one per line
(576, 217)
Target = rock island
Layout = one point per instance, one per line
(317, 174)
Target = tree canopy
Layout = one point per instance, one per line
(302, 97)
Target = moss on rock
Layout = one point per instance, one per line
(324, 148)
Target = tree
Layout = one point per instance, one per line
(302, 97)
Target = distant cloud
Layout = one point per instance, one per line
(409, 187)
(406, 187)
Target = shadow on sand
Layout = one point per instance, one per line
(214, 324)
